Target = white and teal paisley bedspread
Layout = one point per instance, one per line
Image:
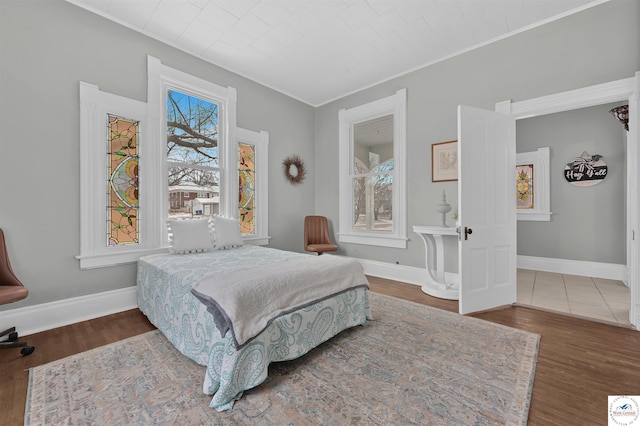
(164, 296)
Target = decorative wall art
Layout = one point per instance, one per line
(294, 169)
(524, 185)
(621, 113)
(444, 161)
(586, 170)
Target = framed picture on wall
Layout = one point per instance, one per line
(444, 161)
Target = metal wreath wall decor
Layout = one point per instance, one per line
(294, 169)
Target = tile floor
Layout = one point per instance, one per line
(595, 298)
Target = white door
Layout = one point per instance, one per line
(487, 209)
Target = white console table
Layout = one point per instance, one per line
(435, 282)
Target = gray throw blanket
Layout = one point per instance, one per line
(246, 301)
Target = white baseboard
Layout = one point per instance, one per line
(611, 271)
(413, 275)
(46, 316)
(37, 318)
(390, 271)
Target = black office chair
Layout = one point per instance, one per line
(11, 290)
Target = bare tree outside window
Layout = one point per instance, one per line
(192, 145)
(372, 178)
(373, 197)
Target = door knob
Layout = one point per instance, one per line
(467, 232)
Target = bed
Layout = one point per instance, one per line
(233, 365)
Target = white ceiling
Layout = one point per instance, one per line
(319, 50)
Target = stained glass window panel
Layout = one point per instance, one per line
(246, 188)
(122, 181)
(524, 186)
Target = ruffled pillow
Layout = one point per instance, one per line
(190, 236)
(226, 232)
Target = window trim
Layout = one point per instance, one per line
(261, 142)
(94, 107)
(160, 79)
(395, 105)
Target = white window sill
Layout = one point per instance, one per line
(534, 216)
(256, 241)
(374, 240)
(90, 261)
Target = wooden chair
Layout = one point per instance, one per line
(11, 290)
(316, 235)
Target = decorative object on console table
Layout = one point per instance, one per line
(444, 161)
(586, 170)
(294, 169)
(443, 208)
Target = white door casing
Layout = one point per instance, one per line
(633, 204)
(486, 203)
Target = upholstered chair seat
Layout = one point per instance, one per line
(316, 235)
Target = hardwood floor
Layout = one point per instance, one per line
(56, 344)
(580, 362)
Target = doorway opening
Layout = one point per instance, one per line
(585, 234)
(625, 90)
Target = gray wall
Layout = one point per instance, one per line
(588, 223)
(594, 46)
(46, 48)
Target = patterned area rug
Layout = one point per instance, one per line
(411, 365)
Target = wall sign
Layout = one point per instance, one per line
(586, 170)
